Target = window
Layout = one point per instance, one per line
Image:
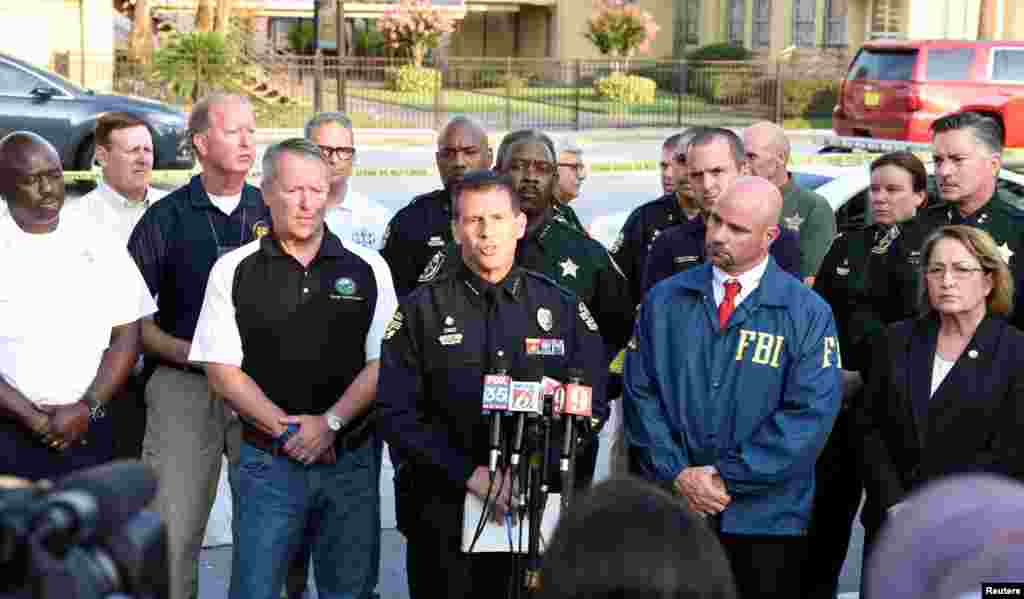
(687, 23)
(1007, 65)
(887, 18)
(804, 30)
(875, 65)
(952, 64)
(835, 22)
(15, 82)
(762, 23)
(737, 22)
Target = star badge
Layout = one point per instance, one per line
(1005, 252)
(793, 222)
(569, 268)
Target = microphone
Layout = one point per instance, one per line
(94, 503)
(577, 402)
(495, 401)
(526, 399)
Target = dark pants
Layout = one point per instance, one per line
(23, 455)
(127, 412)
(870, 538)
(435, 565)
(837, 495)
(766, 566)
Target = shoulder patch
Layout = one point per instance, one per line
(394, 326)
(586, 317)
(618, 243)
(433, 267)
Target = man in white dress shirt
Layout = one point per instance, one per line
(124, 151)
(350, 215)
(70, 307)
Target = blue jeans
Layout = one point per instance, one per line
(277, 499)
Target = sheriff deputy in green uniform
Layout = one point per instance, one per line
(967, 148)
(557, 249)
(869, 279)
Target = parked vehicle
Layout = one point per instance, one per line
(65, 114)
(896, 89)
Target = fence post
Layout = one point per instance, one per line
(318, 81)
(508, 93)
(576, 83)
(780, 111)
(680, 88)
(438, 95)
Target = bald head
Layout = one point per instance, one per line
(32, 181)
(462, 147)
(767, 150)
(743, 224)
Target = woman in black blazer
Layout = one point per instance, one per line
(944, 389)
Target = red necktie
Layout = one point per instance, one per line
(728, 305)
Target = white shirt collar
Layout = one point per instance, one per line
(352, 202)
(749, 281)
(121, 200)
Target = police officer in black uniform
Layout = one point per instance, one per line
(649, 220)
(560, 211)
(422, 228)
(869, 278)
(445, 336)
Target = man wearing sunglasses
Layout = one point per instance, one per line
(350, 215)
(423, 228)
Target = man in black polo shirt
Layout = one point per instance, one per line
(422, 229)
(175, 245)
(290, 335)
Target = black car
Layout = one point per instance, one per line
(32, 99)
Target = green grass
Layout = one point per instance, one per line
(295, 115)
(811, 122)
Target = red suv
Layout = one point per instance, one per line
(896, 89)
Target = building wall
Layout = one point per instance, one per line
(947, 19)
(1013, 20)
(35, 31)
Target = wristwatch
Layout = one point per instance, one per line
(96, 410)
(333, 422)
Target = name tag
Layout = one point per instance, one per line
(545, 347)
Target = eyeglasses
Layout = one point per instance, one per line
(343, 152)
(539, 166)
(959, 271)
(451, 153)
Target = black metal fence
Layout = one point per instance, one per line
(507, 93)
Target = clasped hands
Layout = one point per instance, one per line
(313, 442)
(703, 489)
(58, 427)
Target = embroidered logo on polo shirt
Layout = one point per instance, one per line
(345, 286)
(365, 238)
(259, 229)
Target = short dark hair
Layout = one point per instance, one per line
(114, 121)
(986, 130)
(522, 136)
(908, 162)
(485, 180)
(659, 547)
(712, 134)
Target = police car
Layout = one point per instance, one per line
(845, 188)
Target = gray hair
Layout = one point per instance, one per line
(568, 145)
(324, 118)
(986, 130)
(295, 146)
(710, 135)
(523, 136)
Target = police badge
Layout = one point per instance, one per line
(545, 319)
(433, 267)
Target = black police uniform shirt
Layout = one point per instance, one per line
(574, 261)
(302, 333)
(416, 233)
(444, 339)
(870, 279)
(634, 242)
(177, 241)
(682, 246)
(1000, 219)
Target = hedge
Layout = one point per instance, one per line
(411, 79)
(627, 89)
(809, 97)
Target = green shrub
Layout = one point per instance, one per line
(810, 97)
(628, 89)
(720, 86)
(412, 79)
(720, 51)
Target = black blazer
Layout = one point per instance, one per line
(972, 423)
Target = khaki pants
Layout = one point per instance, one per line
(185, 438)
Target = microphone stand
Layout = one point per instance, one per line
(539, 487)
